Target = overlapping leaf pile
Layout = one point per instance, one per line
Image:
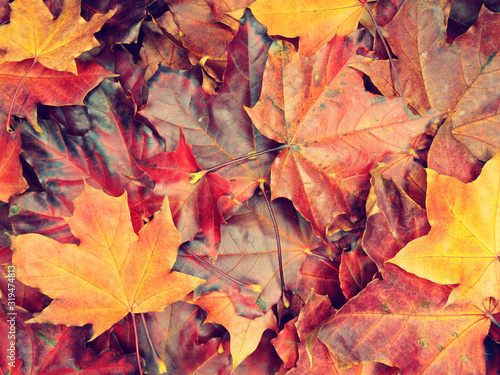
(144, 137)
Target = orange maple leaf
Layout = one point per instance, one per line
(463, 246)
(245, 333)
(315, 22)
(334, 130)
(34, 34)
(112, 272)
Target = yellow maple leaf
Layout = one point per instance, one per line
(463, 246)
(34, 34)
(316, 22)
(112, 272)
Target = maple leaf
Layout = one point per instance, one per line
(111, 273)
(200, 33)
(315, 22)
(286, 344)
(313, 357)
(50, 349)
(11, 179)
(46, 86)
(159, 45)
(194, 205)
(402, 322)
(334, 131)
(398, 221)
(107, 155)
(123, 26)
(34, 34)
(450, 157)
(245, 333)
(463, 245)
(217, 128)
(248, 253)
(469, 89)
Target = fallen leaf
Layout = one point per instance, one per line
(248, 253)
(399, 221)
(356, 271)
(200, 33)
(194, 204)
(315, 22)
(124, 25)
(159, 45)
(217, 128)
(46, 86)
(11, 178)
(107, 155)
(221, 10)
(24, 222)
(287, 344)
(449, 157)
(463, 245)
(263, 360)
(131, 77)
(182, 340)
(53, 43)
(403, 322)
(334, 131)
(313, 356)
(29, 299)
(322, 275)
(50, 349)
(469, 90)
(111, 273)
(245, 333)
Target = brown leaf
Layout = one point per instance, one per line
(449, 157)
(469, 89)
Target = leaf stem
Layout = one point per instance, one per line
(393, 67)
(161, 365)
(278, 245)
(246, 157)
(136, 343)
(9, 129)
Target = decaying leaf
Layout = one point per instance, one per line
(402, 322)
